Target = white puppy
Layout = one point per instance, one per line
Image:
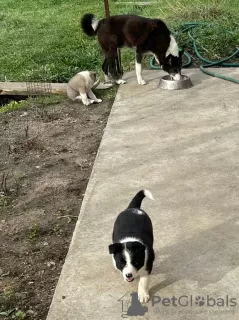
(80, 87)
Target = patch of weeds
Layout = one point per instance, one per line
(14, 105)
(43, 101)
(107, 93)
(57, 229)
(19, 315)
(39, 101)
(8, 293)
(8, 300)
(45, 115)
(5, 201)
(14, 314)
(64, 211)
(34, 232)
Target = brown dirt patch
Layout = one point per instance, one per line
(46, 157)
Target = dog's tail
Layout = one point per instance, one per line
(89, 24)
(136, 201)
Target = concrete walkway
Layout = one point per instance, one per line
(183, 147)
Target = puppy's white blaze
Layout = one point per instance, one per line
(129, 268)
(94, 23)
(130, 239)
(173, 47)
(148, 194)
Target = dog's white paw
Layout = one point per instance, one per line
(143, 296)
(142, 82)
(120, 81)
(88, 102)
(99, 100)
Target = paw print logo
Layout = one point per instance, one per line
(200, 301)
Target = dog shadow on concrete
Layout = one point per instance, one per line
(206, 258)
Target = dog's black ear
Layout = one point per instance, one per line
(115, 247)
(137, 246)
(167, 59)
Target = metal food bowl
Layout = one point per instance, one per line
(167, 83)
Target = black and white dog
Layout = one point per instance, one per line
(143, 34)
(132, 246)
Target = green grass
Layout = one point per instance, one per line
(42, 40)
(41, 101)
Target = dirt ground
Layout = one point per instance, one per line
(46, 159)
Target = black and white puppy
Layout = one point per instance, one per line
(132, 246)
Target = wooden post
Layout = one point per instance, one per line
(107, 10)
(107, 14)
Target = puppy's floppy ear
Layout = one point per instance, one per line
(93, 75)
(115, 247)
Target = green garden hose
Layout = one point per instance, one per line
(188, 27)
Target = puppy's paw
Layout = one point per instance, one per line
(88, 102)
(142, 82)
(143, 296)
(99, 100)
(120, 81)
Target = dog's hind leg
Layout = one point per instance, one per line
(111, 56)
(71, 93)
(138, 67)
(105, 68)
(108, 64)
(143, 289)
(119, 71)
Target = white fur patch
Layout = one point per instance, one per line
(148, 194)
(143, 289)
(120, 81)
(173, 47)
(85, 74)
(138, 69)
(129, 268)
(130, 239)
(177, 76)
(94, 23)
(137, 211)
